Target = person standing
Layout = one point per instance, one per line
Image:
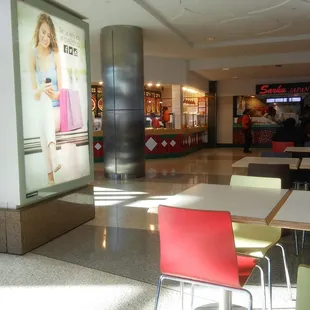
(247, 130)
(165, 116)
(155, 122)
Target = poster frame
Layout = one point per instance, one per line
(58, 189)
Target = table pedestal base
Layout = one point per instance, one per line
(224, 304)
(217, 307)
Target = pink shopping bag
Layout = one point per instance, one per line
(63, 100)
(74, 112)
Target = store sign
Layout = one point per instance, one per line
(278, 89)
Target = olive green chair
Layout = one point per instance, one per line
(303, 285)
(257, 240)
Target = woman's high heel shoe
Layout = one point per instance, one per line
(51, 183)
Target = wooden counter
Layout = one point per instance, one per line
(164, 131)
(261, 133)
(162, 143)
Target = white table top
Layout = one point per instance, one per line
(246, 205)
(245, 161)
(295, 212)
(301, 149)
(305, 163)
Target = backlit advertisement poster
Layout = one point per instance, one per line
(54, 98)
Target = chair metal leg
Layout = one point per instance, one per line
(160, 282)
(262, 279)
(296, 242)
(192, 296)
(287, 275)
(182, 294)
(269, 281)
(225, 302)
(250, 304)
(303, 240)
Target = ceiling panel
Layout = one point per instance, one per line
(235, 19)
(295, 70)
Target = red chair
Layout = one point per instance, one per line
(281, 146)
(197, 247)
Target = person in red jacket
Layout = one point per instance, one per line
(247, 130)
(155, 122)
(165, 117)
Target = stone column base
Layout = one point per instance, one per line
(25, 229)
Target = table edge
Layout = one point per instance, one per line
(290, 225)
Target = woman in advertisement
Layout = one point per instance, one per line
(45, 73)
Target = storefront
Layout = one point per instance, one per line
(272, 104)
(184, 132)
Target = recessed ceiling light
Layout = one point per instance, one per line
(210, 39)
(225, 69)
(149, 84)
(157, 85)
(235, 77)
(100, 82)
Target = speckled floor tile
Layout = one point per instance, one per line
(36, 282)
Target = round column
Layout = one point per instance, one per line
(123, 119)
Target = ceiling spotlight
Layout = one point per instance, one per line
(226, 69)
(149, 84)
(211, 39)
(157, 85)
(235, 77)
(100, 82)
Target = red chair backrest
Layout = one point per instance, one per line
(198, 245)
(281, 146)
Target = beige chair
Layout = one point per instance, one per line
(257, 240)
(260, 182)
(303, 284)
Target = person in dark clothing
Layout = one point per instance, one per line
(288, 132)
(247, 130)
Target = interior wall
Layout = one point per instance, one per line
(165, 70)
(167, 92)
(228, 89)
(156, 69)
(197, 81)
(95, 59)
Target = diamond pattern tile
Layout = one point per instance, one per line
(173, 143)
(164, 143)
(151, 144)
(98, 146)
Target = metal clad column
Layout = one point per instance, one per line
(212, 114)
(123, 121)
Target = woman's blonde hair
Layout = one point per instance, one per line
(44, 18)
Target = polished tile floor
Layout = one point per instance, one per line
(112, 262)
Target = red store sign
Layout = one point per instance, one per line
(278, 89)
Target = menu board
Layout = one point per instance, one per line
(97, 100)
(152, 102)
